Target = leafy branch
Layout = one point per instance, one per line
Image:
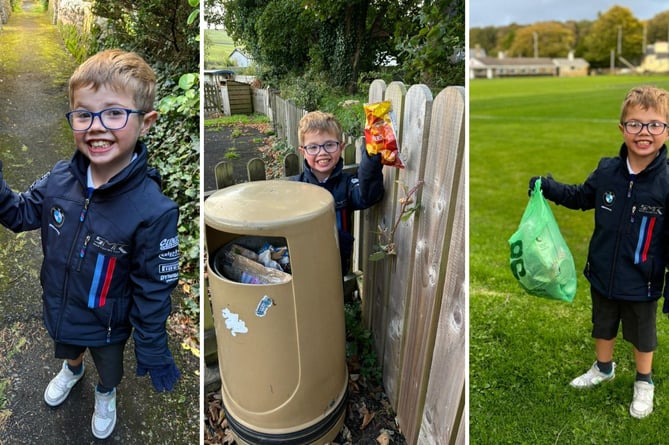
(386, 237)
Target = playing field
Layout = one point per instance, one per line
(525, 350)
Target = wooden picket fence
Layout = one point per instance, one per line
(414, 301)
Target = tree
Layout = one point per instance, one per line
(617, 23)
(435, 55)
(338, 40)
(553, 39)
(159, 30)
(658, 28)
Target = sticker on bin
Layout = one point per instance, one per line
(264, 305)
(233, 323)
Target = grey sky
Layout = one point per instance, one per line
(526, 12)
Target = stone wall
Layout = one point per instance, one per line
(74, 12)
(5, 11)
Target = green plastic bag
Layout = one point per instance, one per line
(540, 258)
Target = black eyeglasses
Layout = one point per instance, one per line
(635, 127)
(329, 147)
(110, 118)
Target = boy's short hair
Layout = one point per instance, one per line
(118, 70)
(646, 97)
(318, 122)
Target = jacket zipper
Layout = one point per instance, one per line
(620, 232)
(82, 252)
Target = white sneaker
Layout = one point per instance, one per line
(60, 386)
(642, 403)
(593, 377)
(104, 417)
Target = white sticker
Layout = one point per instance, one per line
(233, 323)
(264, 305)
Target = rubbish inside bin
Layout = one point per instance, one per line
(241, 261)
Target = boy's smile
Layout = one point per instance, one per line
(109, 151)
(323, 163)
(643, 146)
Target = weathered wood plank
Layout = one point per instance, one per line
(445, 399)
(435, 227)
(416, 119)
(255, 169)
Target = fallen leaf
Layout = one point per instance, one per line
(367, 417)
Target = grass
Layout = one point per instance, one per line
(217, 50)
(524, 350)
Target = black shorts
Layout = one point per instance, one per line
(108, 360)
(638, 318)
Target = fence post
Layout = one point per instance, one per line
(440, 229)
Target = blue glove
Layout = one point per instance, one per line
(162, 377)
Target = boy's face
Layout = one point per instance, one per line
(109, 151)
(643, 146)
(323, 163)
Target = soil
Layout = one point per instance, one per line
(34, 68)
(236, 143)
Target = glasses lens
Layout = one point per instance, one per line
(656, 128)
(79, 120)
(312, 149)
(331, 147)
(633, 127)
(114, 118)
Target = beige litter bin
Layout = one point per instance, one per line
(281, 347)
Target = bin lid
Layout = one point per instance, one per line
(264, 205)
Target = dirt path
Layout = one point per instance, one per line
(34, 68)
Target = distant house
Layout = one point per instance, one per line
(572, 66)
(481, 66)
(491, 67)
(656, 59)
(240, 58)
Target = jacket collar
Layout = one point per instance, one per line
(129, 177)
(309, 175)
(660, 159)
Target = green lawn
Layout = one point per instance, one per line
(217, 49)
(524, 350)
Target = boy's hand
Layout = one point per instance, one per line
(545, 183)
(162, 377)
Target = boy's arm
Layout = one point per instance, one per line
(155, 274)
(576, 196)
(21, 211)
(369, 187)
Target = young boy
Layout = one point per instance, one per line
(321, 144)
(628, 249)
(109, 236)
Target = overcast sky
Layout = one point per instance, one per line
(525, 12)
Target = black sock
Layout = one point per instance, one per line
(605, 367)
(644, 377)
(76, 370)
(102, 389)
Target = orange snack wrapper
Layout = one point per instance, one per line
(380, 133)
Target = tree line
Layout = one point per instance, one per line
(614, 30)
(339, 42)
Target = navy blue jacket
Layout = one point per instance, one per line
(351, 192)
(111, 257)
(629, 246)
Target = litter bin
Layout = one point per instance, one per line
(281, 347)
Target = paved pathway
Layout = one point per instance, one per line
(34, 68)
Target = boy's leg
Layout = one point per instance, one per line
(639, 329)
(109, 363)
(600, 371)
(605, 322)
(644, 361)
(71, 372)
